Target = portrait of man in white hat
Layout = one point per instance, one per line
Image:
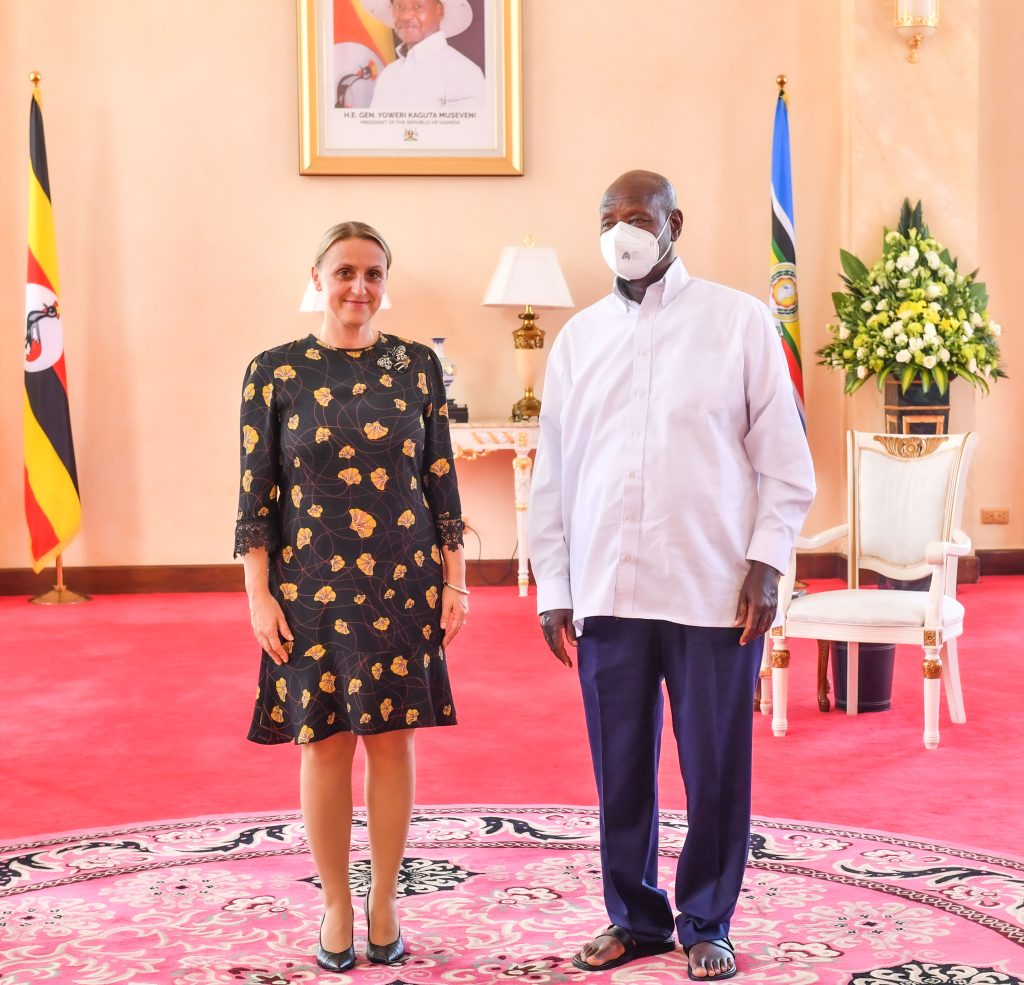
(427, 73)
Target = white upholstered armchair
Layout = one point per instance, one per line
(905, 505)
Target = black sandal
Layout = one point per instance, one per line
(725, 944)
(633, 949)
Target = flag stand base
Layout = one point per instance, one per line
(60, 595)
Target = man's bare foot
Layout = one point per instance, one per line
(602, 949)
(711, 959)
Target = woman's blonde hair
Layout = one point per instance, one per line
(351, 230)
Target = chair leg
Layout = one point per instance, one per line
(762, 693)
(780, 685)
(823, 702)
(951, 680)
(852, 677)
(932, 669)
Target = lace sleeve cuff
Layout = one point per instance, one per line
(449, 529)
(255, 533)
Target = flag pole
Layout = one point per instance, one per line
(60, 594)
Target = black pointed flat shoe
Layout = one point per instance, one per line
(334, 960)
(391, 953)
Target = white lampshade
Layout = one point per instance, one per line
(528, 275)
(313, 300)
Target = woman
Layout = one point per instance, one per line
(350, 532)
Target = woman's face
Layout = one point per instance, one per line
(352, 274)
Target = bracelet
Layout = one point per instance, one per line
(455, 588)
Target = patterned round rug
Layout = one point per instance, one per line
(492, 894)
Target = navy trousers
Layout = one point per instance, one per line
(710, 682)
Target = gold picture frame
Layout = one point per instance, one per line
(343, 52)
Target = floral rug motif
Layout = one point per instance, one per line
(492, 895)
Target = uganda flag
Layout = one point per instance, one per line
(52, 505)
(363, 45)
(783, 259)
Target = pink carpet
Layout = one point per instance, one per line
(493, 895)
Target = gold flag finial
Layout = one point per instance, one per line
(529, 241)
(780, 81)
(34, 78)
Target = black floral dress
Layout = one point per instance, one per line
(348, 482)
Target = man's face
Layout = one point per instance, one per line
(416, 19)
(635, 207)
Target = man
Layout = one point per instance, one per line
(427, 73)
(672, 477)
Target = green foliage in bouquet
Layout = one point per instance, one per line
(912, 314)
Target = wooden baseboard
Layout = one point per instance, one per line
(142, 579)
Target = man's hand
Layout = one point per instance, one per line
(556, 625)
(759, 601)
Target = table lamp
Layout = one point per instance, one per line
(528, 277)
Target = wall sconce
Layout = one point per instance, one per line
(528, 277)
(916, 20)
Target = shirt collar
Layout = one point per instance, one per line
(669, 287)
(424, 48)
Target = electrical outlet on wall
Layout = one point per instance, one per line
(995, 516)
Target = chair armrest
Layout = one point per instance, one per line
(820, 540)
(938, 550)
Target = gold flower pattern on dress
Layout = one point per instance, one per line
(362, 523)
(357, 543)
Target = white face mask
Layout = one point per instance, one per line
(631, 253)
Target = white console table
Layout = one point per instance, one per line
(473, 441)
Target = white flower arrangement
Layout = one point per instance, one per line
(912, 315)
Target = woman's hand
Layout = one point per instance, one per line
(454, 609)
(269, 625)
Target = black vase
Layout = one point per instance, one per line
(918, 411)
(875, 666)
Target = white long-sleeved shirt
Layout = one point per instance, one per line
(429, 75)
(671, 454)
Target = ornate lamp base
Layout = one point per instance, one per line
(526, 406)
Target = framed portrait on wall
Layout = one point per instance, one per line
(410, 87)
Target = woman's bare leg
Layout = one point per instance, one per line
(325, 785)
(390, 788)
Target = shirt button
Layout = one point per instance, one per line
(632, 475)
(636, 434)
(627, 557)
(630, 518)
